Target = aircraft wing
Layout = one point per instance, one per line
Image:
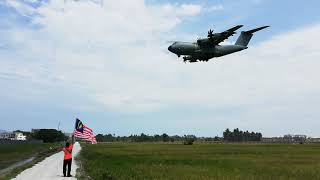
(215, 39)
(226, 34)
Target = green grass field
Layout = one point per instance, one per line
(201, 161)
(12, 153)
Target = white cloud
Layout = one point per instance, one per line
(190, 9)
(20, 7)
(214, 8)
(97, 43)
(195, 9)
(114, 56)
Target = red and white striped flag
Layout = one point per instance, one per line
(83, 132)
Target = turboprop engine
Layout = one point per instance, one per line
(189, 58)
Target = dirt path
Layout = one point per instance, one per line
(50, 167)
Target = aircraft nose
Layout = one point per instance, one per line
(170, 48)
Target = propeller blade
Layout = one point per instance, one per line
(210, 33)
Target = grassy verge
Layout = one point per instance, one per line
(200, 161)
(12, 153)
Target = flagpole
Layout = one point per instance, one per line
(75, 127)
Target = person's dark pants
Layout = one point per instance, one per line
(67, 162)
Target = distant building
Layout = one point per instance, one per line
(13, 136)
(313, 140)
(7, 135)
(295, 137)
(20, 137)
(288, 138)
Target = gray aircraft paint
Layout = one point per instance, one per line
(207, 48)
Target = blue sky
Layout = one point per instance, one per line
(107, 64)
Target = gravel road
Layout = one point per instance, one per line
(50, 167)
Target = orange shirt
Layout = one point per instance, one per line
(67, 152)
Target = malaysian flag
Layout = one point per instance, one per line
(83, 132)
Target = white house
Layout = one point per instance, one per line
(19, 136)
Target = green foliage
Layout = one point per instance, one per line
(165, 137)
(235, 136)
(216, 138)
(100, 137)
(49, 135)
(139, 138)
(238, 136)
(201, 161)
(189, 139)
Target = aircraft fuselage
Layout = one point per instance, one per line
(193, 51)
(207, 48)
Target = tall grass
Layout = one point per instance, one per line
(12, 153)
(201, 161)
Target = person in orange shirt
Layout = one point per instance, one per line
(67, 160)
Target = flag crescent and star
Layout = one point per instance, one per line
(83, 132)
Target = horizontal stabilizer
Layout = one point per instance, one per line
(255, 30)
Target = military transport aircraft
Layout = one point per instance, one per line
(207, 48)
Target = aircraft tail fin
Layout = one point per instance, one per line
(245, 36)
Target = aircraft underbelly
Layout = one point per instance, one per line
(204, 53)
(228, 49)
(189, 50)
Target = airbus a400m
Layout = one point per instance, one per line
(207, 48)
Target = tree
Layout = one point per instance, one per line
(171, 139)
(99, 137)
(49, 135)
(189, 139)
(216, 138)
(227, 135)
(156, 137)
(165, 137)
(238, 135)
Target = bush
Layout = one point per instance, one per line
(189, 139)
